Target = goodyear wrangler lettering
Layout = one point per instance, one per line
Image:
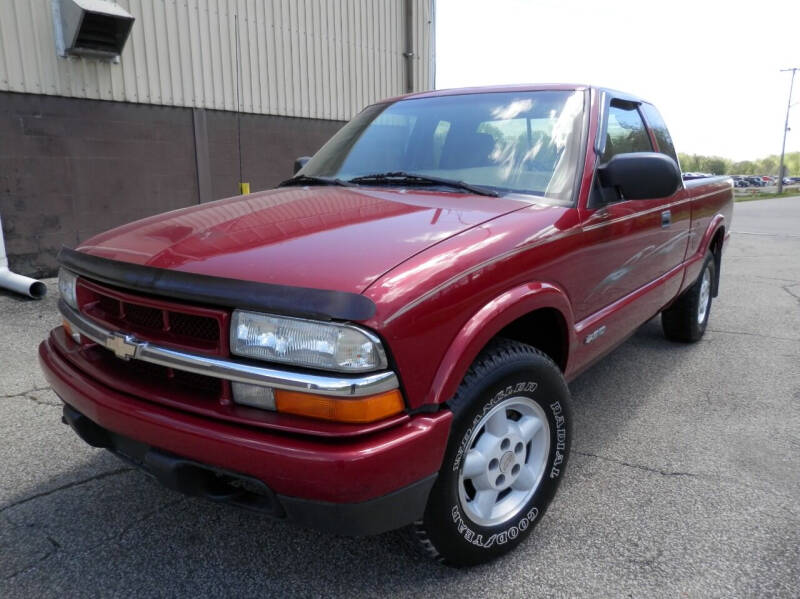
(523, 387)
(500, 538)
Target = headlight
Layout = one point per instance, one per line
(66, 287)
(305, 343)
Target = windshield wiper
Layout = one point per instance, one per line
(309, 180)
(401, 178)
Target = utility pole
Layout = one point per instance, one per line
(786, 127)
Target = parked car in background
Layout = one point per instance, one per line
(756, 181)
(385, 340)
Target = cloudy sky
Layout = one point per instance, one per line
(712, 67)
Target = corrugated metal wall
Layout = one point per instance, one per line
(308, 58)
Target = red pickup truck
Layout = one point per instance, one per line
(386, 338)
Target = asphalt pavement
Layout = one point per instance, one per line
(684, 478)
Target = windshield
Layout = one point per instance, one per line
(510, 142)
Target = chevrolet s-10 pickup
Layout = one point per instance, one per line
(385, 339)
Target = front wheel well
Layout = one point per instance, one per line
(544, 329)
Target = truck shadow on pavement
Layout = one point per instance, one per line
(108, 527)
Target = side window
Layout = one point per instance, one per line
(659, 127)
(626, 132)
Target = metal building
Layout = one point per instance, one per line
(203, 95)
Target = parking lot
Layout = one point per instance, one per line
(683, 480)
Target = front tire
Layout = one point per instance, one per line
(506, 456)
(687, 318)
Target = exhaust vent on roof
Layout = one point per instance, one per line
(96, 28)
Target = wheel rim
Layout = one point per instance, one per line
(507, 455)
(705, 296)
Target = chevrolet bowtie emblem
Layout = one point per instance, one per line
(123, 346)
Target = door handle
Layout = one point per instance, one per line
(666, 219)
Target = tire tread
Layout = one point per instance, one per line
(490, 357)
(679, 320)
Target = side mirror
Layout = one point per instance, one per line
(300, 163)
(641, 176)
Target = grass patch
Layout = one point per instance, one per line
(765, 196)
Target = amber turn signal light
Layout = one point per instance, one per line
(354, 411)
(76, 337)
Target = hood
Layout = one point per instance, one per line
(334, 238)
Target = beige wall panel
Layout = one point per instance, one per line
(308, 58)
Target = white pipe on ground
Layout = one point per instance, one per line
(13, 281)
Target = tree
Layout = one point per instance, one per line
(689, 163)
(743, 167)
(792, 163)
(723, 166)
(715, 165)
(768, 165)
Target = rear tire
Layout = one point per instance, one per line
(686, 319)
(505, 458)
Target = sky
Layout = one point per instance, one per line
(711, 67)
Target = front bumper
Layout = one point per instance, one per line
(370, 517)
(349, 479)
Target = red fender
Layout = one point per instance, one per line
(486, 323)
(695, 261)
(716, 222)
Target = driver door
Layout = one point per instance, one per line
(631, 246)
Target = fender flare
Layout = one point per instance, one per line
(717, 222)
(486, 323)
